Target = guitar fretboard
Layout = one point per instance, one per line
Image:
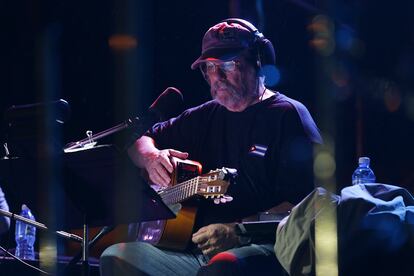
(182, 191)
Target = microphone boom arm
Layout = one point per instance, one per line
(102, 134)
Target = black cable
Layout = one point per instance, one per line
(23, 262)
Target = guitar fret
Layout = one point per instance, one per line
(190, 190)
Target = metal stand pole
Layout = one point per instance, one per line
(85, 249)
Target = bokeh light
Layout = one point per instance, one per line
(323, 40)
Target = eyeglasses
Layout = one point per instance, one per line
(225, 67)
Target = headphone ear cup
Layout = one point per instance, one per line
(263, 48)
(266, 52)
(267, 59)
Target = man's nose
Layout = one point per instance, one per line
(218, 74)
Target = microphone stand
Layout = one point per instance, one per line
(105, 230)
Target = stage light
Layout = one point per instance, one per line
(122, 42)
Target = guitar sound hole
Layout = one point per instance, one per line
(151, 231)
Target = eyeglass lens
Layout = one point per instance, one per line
(226, 67)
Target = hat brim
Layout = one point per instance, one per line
(221, 54)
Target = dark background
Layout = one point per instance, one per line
(361, 94)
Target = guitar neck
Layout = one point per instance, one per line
(181, 191)
(211, 185)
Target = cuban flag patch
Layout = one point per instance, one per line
(258, 150)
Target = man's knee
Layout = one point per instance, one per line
(111, 261)
(118, 259)
(225, 263)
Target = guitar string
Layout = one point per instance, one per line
(173, 191)
(172, 194)
(182, 191)
(175, 188)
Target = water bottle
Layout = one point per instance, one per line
(25, 236)
(363, 174)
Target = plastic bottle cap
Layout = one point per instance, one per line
(363, 160)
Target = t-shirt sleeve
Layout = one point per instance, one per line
(176, 133)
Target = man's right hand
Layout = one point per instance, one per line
(159, 165)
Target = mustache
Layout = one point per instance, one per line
(220, 85)
(226, 86)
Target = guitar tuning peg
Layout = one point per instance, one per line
(217, 201)
(226, 198)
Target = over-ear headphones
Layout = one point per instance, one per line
(262, 47)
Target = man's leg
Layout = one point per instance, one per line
(138, 258)
(246, 260)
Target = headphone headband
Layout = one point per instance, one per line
(247, 25)
(260, 44)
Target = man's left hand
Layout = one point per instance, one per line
(216, 238)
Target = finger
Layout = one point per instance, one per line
(204, 246)
(211, 251)
(155, 179)
(163, 175)
(165, 161)
(200, 231)
(179, 154)
(160, 176)
(200, 238)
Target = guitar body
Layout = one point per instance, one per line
(174, 233)
(177, 232)
(170, 234)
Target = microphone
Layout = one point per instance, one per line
(169, 104)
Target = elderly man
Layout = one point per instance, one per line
(265, 135)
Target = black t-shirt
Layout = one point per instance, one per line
(280, 171)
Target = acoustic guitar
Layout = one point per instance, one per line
(176, 233)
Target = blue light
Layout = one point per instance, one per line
(345, 38)
(272, 75)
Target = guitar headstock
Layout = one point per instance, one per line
(215, 183)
